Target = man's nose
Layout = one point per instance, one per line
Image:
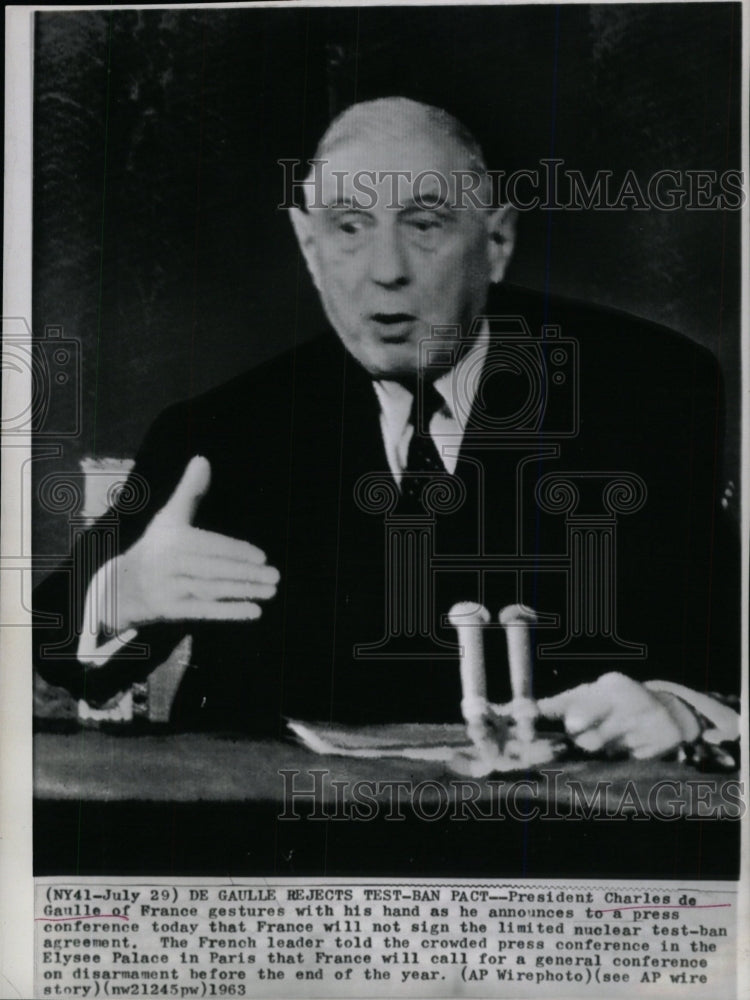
(389, 265)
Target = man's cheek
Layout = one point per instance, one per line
(442, 300)
(343, 279)
(338, 258)
(341, 293)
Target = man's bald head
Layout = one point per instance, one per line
(390, 119)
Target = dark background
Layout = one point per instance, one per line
(158, 245)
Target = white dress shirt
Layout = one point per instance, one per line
(457, 388)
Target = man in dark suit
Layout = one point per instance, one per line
(450, 439)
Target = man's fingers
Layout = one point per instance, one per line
(205, 568)
(615, 712)
(176, 572)
(645, 751)
(183, 541)
(608, 730)
(224, 590)
(212, 545)
(591, 741)
(581, 707)
(557, 705)
(653, 735)
(182, 505)
(230, 611)
(194, 609)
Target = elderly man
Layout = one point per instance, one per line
(287, 508)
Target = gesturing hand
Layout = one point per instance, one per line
(617, 713)
(179, 572)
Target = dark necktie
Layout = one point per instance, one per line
(423, 462)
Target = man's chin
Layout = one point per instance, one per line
(390, 351)
(394, 360)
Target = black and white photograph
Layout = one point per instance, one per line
(381, 488)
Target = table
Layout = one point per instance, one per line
(197, 803)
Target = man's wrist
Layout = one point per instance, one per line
(100, 637)
(688, 722)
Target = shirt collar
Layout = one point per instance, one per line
(459, 383)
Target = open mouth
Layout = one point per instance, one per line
(391, 319)
(395, 327)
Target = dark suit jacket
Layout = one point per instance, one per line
(289, 444)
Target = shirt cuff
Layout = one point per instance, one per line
(717, 744)
(719, 722)
(94, 650)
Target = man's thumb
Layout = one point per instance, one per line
(182, 505)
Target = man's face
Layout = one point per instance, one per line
(389, 269)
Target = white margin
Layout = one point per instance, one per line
(16, 776)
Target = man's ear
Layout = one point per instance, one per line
(501, 225)
(302, 223)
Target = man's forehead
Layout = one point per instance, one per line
(390, 163)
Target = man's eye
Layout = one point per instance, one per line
(425, 225)
(349, 223)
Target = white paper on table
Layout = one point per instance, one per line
(411, 741)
